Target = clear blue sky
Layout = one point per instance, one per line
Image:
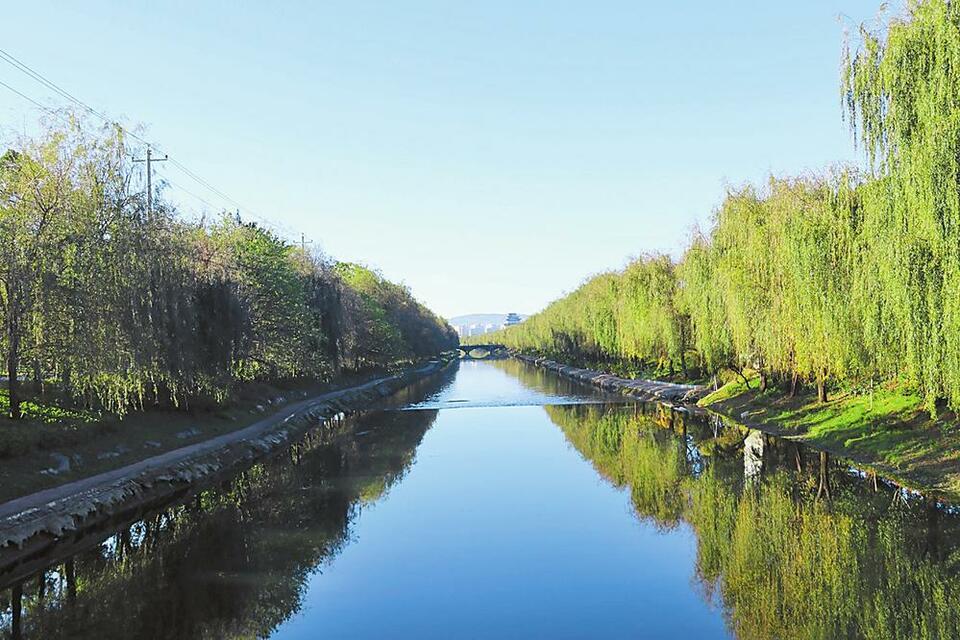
(491, 155)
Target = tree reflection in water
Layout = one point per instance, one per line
(798, 546)
(230, 562)
(789, 543)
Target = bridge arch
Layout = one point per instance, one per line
(482, 351)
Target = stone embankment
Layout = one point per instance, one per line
(31, 524)
(667, 392)
(939, 481)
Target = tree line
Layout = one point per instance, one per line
(118, 306)
(850, 277)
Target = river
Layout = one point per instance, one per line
(499, 501)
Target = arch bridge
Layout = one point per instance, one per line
(482, 351)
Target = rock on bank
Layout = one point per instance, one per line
(643, 389)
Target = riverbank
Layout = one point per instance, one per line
(56, 442)
(886, 432)
(671, 392)
(33, 522)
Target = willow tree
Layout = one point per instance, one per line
(631, 316)
(815, 262)
(902, 92)
(702, 302)
(600, 298)
(38, 194)
(651, 327)
(581, 324)
(744, 276)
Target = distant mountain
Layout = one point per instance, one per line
(481, 319)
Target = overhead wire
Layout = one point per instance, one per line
(21, 66)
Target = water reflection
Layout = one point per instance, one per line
(230, 562)
(510, 383)
(504, 530)
(790, 543)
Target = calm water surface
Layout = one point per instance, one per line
(501, 501)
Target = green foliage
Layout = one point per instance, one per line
(632, 315)
(840, 279)
(782, 271)
(769, 288)
(121, 307)
(731, 389)
(703, 303)
(389, 323)
(902, 90)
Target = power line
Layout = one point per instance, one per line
(226, 197)
(186, 191)
(31, 100)
(23, 68)
(38, 77)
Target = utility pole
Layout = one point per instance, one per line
(304, 242)
(150, 160)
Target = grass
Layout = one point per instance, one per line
(45, 424)
(46, 411)
(730, 390)
(885, 429)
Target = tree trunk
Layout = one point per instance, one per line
(16, 606)
(13, 367)
(70, 571)
(824, 488)
(821, 390)
(746, 381)
(933, 528)
(794, 384)
(65, 382)
(37, 377)
(763, 382)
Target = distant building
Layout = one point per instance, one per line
(512, 319)
(483, 323)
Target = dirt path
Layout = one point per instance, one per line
(39, 518)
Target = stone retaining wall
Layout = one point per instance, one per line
(667, 392)
(31, 524)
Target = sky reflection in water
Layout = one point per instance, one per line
(511, 519)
